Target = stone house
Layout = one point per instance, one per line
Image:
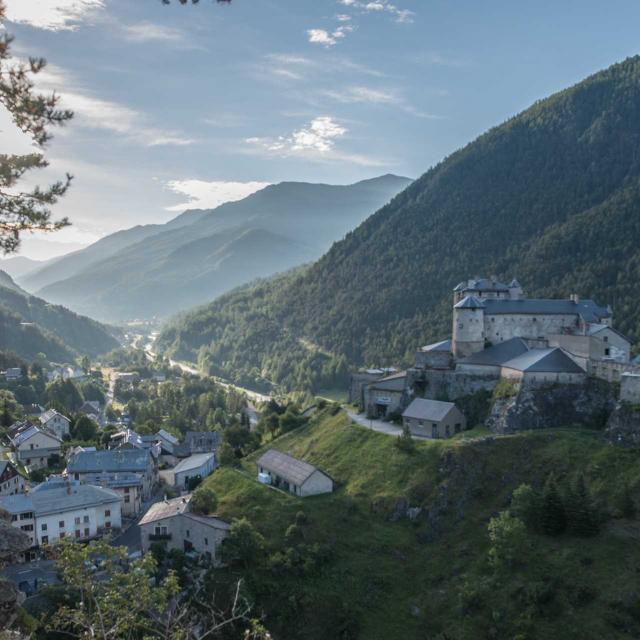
(172, 523)
(290, 474)
(544, 365)
(85, 464)
(386, 396)
(11, 480)
(56, 423)
(33, 445)
(199, 465)
(433, 418)
(360, 380)
(126, 484)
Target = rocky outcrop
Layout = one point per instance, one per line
(623, 426)
(546, 406)
(12, 543)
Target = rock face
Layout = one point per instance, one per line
(12, 543)
(623, 427)
(543, 406)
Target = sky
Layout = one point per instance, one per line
(190, 106)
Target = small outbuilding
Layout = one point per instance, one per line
(290, 474)
(199, 465)
(433, 418)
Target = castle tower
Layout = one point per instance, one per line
(515, 290)
(468, 327)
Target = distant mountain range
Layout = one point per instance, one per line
(157, 270)
(19, 266)
(551, 197)
(30, 325)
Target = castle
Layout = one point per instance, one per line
(499, 333)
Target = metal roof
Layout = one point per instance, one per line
(481, 284)
(28, 433)
(396, 382)
(286, 466)
(194, 461)
(443, 345)
(597, 328)
(588, 310)
(166, 509)
(110, 460)
(469, 302)
(498, 354)
(432, 410)
(51, 413)
(168, 436)
(553, 360)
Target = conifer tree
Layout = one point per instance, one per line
(526, 505)
(580, 511)
(552, 515)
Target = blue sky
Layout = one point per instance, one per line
(181, 106)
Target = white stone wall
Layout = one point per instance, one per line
(468, 331)
(316, 484)
(498, 328)
(59, 425)
(35, 451)
(180, 478)
(543, 376)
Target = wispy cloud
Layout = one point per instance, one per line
(96, 113)
(203, 194)
(326, 38)
(296, 67)
(400, 15)
(315, 141)
(52, 15)
(369, 95)
(150, 32)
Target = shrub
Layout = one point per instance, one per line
(204, 500)
(509, 540)
(404, 442)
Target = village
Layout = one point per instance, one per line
(138, 488)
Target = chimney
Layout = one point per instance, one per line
(575, 298)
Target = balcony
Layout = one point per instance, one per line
(159, 537)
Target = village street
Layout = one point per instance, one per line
(378, 425)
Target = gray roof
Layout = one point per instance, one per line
(168, 436)
(110, 460)
(432, 410)
(597, 328)
(443, 345)
(286, 466)
(469, 302)
(481, 284)
(51, 413)
(112, 480)
(28, 433)
(166, 509)
(7, 463)
(588, 310)
(210, 521)
(395, 382)
(498, 354)
(553, 360)
(58, 496)
(194, 461)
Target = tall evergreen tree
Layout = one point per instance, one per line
(580, 512)
(552, 515)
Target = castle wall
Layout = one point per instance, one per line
(498, 328)
(450, 385)
(543, 376)
(468, 332)
(433, 359)
(630, 388)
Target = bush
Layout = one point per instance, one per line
(404, 442)
(204, 500)
(525, 504)
(509, 540)
(505, 389)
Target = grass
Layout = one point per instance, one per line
(333, 395)
(411, 579)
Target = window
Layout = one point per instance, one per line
(127, 499)
(447, 430)
(126, 489)
(43, 526)
(107, 513)
(61, 524)
(206, 542)
(434, 430)
(27, 527)
(45, 539)
(607, 351)
(606, 338)
(77, 520)
(107, 525)
(85, 519)
(61, 535)
(86, 533)
(188, 534)
(78, 533)
(14, 517)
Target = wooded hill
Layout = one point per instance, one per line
(551, 197)
(30, 325)
(156, 270)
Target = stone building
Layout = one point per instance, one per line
(386, 396)
(11, 480)
(290, 474)
(433, 418)
(172, 523)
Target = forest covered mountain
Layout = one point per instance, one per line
(30, 325)
(160, 269)
(551, 196)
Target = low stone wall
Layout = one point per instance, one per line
(448, 385)
(544, 406)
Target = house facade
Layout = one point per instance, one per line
(56, 423)
(199, 465)
(292, 475)
(173, 524)
(33, 446)
(433, 418)
(62, 509)
(11, 480)
(126, 484)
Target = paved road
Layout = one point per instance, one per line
(378, 425)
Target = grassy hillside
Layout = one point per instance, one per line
(549, 197)
(373, 578)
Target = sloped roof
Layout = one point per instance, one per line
(498, 354)
(553, 360)
(481, 284)
(286, 466)
(432, 410)
(210, 521)
(597, 328)
(194, 461)
(166, 509)
(469, 302)
(110, 460)
(443, 345)
(394, 382)
(168, 437)
(51, 413)
(588, 310)
(33, 430)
